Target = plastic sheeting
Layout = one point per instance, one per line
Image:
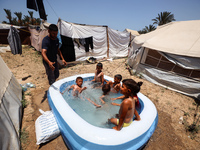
(183, 61)
(10, 109)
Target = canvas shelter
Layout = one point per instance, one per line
(106, 41)
(37, 35)
(170, 56)
(10, 109)
(24, 34)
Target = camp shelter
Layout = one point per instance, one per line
(170, 56)
(10, 109)
(23, 33)
(37, 35)
(103, 41)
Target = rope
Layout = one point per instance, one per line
(52, 8)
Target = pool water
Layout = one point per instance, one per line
(86, 110)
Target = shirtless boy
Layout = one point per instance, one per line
(99, 75)
(116, 84)
(77, 88)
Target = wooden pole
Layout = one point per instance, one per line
(107, 42)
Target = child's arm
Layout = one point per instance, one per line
(82, 89)
(102, 99)
(137, 116)
(93, 102)
(117, 87)
(116, 104)
(94, 76)
(120, 97)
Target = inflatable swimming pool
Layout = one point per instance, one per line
(80, 135)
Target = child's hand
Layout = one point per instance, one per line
(115, 104)
(113, 99)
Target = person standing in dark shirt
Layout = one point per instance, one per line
(50, 49)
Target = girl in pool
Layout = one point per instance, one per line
(135, 98)
(127, 108)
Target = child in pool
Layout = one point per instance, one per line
(77, 88)
(99, 75)
(106, 90)
(127, 107)
(116, 84)
(134, 96)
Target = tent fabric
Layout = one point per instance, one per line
(83, 31)
(167, 79)
(119, 48)
(10, 109)
(180, 38)
(106, 41)
(38, 35)
(133, 32)
(171, 81)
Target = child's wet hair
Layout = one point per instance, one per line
(79, 78)
(132, 85)
(118, 76)
(100, 65)
(105, 89)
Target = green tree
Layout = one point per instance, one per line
(26, 20)
(38, 21)
(19, 16)
(14, 21)
(32, 20)
(9, 16)
(163, 18)
(147, 29)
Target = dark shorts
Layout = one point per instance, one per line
(52, 75)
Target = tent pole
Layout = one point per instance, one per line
(107, 42)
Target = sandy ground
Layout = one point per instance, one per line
(170, 133)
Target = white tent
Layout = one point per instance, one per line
(10, 109)
(170, 56)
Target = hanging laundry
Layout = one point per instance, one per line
(67, 48)
(31, 4)
(86, 42)
(14, 41)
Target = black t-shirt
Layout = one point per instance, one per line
(52, 48)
